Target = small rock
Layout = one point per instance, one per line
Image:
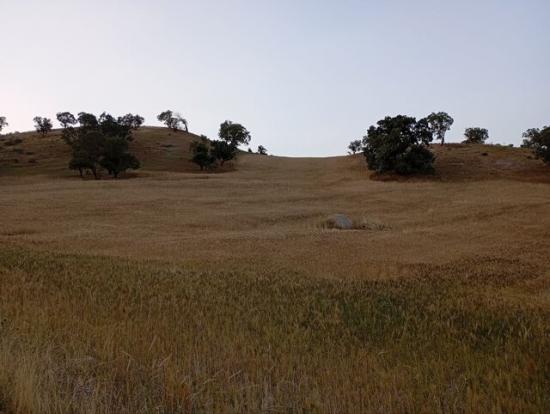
(340, 222)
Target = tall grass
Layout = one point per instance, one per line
(96, 334)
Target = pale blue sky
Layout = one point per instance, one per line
(305, 77)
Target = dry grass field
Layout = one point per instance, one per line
(178, 291)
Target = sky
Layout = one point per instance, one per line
(305, 77)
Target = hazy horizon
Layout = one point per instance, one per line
(304, 78)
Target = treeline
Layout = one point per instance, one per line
(401, 144)
(102, 143)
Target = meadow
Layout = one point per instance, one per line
(178, 291)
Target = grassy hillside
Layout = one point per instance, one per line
(160, 149)
(175, 291)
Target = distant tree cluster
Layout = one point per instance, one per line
(401, 144)
(208, 154)
(538, 140)
(100, 143)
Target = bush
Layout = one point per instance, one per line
(399, 144)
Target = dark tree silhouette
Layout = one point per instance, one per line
(222, 151)
(201, 154)
(440, 123)
(234, 134)
(42, 125)
(102, 143)
(538, 140)
(3, 123)
(174, 121)
(355, 146)
(475, 136)
(399, 144)
(66, 119)
(131, 121)
(115, 156)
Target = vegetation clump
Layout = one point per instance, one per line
(355, 146)
(440, 123)
(3, 123)
(399, 144)
(208, 154)
(100, 142)
(475, 136)
(42, 125)
(538, 140)
(202, 154)
(173, 120)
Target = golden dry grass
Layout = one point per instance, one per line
(183, 292)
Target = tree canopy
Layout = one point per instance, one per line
(399, 144)
(475, 136)
(42, 125)
(173, 120)
(201, 154)
(355, 146)
(221, 151)
(66, 119)
(234, 134)
(440, 123)
(538, 140)
(102, 143)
